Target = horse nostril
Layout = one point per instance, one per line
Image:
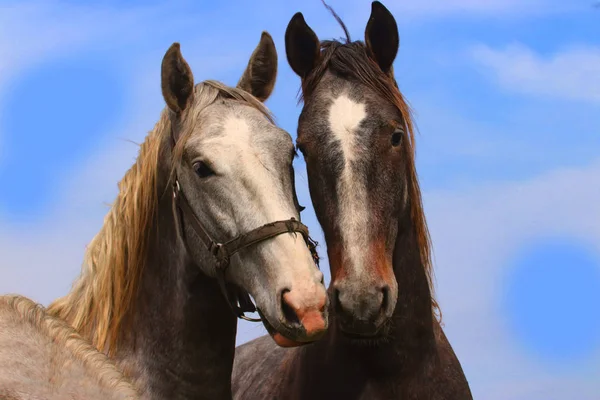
(386, 298)
(288, 312)
(336, 300)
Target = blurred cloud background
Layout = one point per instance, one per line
(507, 101)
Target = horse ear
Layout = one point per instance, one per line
(381, 36)
(302, 46)
(177, 81)
(260, 74)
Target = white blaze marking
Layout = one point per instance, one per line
(236, 133)
(237, 143)
(345, 117)
(287, 250)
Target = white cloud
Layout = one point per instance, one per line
(355, 13)
(524, 387)
(571, 74)
(473, 7)
(41, 260)
(40, 31)
(35, 32)
(475, 231)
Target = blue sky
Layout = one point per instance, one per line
(507, 101)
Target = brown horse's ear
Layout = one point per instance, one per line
(302, 46)
(261, 72)
(177, 81)
(381, 36)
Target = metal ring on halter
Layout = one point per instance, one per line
(243, 316)
(176, 188)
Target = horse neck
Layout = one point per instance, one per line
(413, 316)
(182, 340)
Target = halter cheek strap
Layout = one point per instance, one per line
(222, 252)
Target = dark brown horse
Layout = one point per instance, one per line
(356, 134)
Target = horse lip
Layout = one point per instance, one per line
(273, 332)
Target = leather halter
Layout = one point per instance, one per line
(222, 252)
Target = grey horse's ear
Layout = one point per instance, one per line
(381, 36)
(177, 81)
(302, 46)
(260, 74)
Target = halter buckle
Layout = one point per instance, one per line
(250, 319)
(176, 188)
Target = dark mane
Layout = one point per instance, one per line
(339, 20)
(351, 61)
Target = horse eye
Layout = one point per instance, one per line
(396, 138)
(203, 170)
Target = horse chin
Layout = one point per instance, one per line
(278, 337)
(282, 341)
(382, 336)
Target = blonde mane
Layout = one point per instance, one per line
(102, 299)
(66, 337)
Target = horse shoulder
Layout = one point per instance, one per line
(260, 369)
